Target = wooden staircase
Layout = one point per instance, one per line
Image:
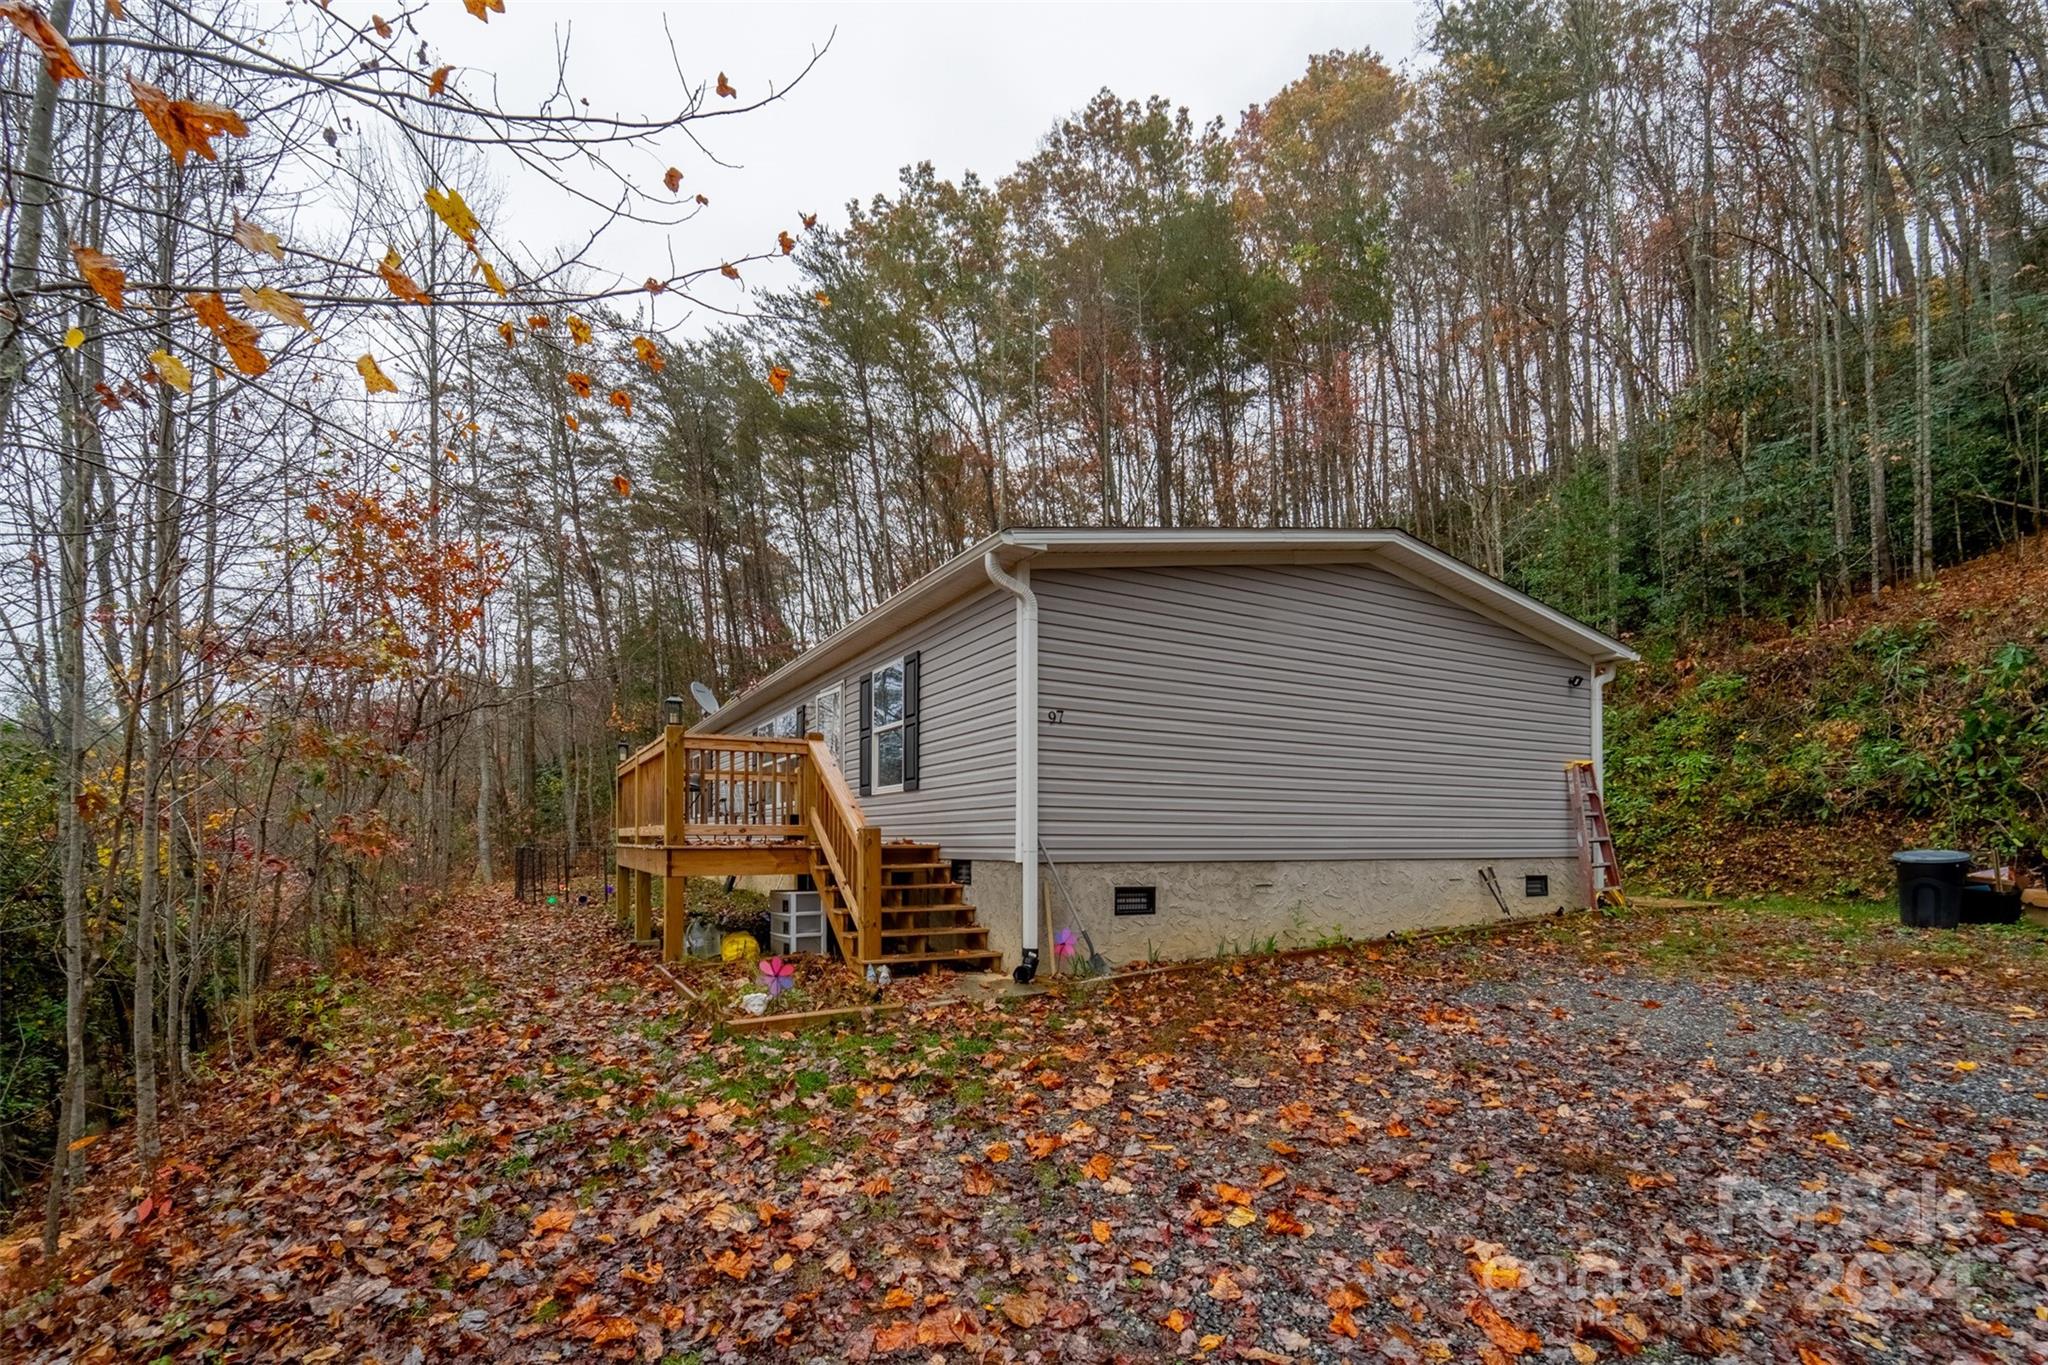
(745, 805)
(925, 920)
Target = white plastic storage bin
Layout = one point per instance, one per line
(796, 923)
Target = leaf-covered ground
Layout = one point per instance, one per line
(1774, 1133)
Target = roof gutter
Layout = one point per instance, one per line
(1018, 585)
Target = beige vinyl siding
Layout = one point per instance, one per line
(1295, 711)
(966, 798)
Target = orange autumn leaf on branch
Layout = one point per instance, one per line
(258, 238)
(510, 333)
(786, 242)
(579, 329)
(98, 270)
(725, 89)
(400, 283)
(382, 25)
(438, 82)
(171, 370)
(374, 378)
(278, 304)
(483, 9)
(649, 356)
(778, 378)
(454, 214)
(238, 336)
(810, 220)
(824, 299)
(491, 278)
(622, 485)
(654, 286)
(185, 126)
(572, 421)
(729, 270)
(674, 180)
(57, 58)
(623, 401)
(578, 382)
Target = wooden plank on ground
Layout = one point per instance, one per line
(802, 1019)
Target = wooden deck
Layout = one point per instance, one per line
(742, 806)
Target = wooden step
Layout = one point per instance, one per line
(979, 931)
(895, 898)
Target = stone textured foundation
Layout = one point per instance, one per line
(1231, 907)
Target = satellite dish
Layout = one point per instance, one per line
(706, 698)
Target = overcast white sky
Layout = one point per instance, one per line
(964, 86)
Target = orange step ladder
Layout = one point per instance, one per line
(1597, 860)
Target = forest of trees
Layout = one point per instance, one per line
(1664, 311)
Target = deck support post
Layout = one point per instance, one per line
(629, 882)
(672, 913)
(870, 893)
(643, 907)
(675, 807)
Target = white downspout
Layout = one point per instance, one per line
(1018, 585)
(1602, 675)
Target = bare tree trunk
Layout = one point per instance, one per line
(160, 585)
(1873, 438)
(71, 825)
(1923, 367)
(32, 195)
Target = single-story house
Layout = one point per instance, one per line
(1211, 738)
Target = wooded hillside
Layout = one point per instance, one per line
(1764, 760)
(348, 530)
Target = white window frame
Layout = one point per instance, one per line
(877, 730)
(835, 732)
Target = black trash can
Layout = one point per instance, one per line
(1931, 887)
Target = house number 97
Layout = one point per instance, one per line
(1055, 715)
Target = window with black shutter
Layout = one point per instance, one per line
(910, 725)
(888, 724)
(867, 737)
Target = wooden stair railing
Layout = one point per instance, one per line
(849, 850)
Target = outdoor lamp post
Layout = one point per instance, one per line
(672, 710)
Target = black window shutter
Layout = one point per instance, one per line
(803, 716)
(867, 734)
(910, 726)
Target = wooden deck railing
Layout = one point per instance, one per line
(741, 788)
(704, 795)
(640, 804)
